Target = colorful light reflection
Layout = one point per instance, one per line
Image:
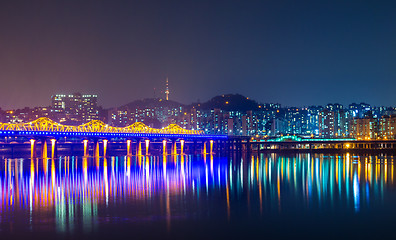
(68, 187)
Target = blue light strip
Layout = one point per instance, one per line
(105, 135)
(313, 140)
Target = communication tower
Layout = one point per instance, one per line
(167, 89)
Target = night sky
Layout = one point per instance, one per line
(296, 53)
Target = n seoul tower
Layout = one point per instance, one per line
(167, 89)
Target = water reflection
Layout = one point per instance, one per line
(71, 193)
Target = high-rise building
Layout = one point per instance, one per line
(364, 128)
(313, 120)
(358, 110)
(387, 127)
(326, 124)
(74, 108)
(278, 127)
(296, 119)
(119, 117)
(333, 122)
(89, 104)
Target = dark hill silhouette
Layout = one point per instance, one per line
(151, 103)
(229, 102)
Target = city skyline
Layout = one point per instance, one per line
(100, 101)
(232, 115)
(294, 53)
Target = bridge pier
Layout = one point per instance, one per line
(204, 147)
(44, 148)
(129, 150)
(147, 142)
(54, 148)
(181, 147)
(138, 147)
(33, 153)
(164, 149)
(174, 147)
(96, 148)
(86, 147)
(105, 141)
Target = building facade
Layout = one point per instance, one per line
(74, 108)
(364, 128)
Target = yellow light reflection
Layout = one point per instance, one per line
(128, 147)
(85, 147)
(147, 146)
(105, 147)
(164, 152)
(181, 146)
(32, 148)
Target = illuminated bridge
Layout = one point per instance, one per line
(96, 138)
(300, 144)
(99, 134)
(45, 126)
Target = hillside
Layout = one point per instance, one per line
(151, 103)
(229, 102)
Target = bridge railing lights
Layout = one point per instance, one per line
(94, 126)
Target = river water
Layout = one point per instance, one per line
(272, 196)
